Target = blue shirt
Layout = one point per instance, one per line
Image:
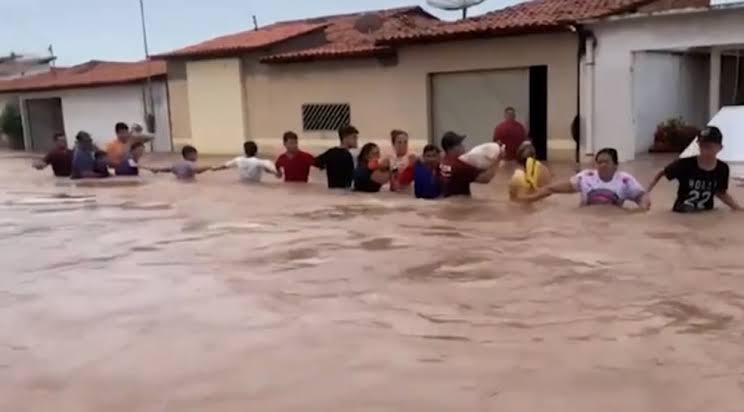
(363, 180)
(426, 182)
(82, 161)
(128, 167)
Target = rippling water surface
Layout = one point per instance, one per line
(217, 296)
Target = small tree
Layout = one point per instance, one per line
(12, 125)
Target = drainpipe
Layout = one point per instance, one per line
(576, 123)
(590, 43)
(585, 50)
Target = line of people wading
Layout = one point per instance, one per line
(436, 173)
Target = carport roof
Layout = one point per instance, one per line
(527, 17)
(92, 73)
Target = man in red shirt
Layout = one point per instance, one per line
(294, 164)
(510, 133)
(60, 158)
(456, 174)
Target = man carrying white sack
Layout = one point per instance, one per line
(459, 170)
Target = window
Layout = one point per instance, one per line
(325, 116)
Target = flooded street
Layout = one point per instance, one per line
(222, 297)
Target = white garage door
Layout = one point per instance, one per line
(473, 103)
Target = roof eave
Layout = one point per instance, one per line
(305, 58)
(662, 13)
(475, 34)
(161, 76)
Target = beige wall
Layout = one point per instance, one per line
(215, 94)
(179, 103)
(382, 97)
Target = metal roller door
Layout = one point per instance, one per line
(473, 102)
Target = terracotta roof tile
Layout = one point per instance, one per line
(92, 73)
(356, 35)
(529, 16)
(246, 40)
(350, 34)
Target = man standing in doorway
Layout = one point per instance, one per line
(510, 133)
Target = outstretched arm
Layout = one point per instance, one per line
(159, 169)
(655, 180)
(39, 164)
(562, 187)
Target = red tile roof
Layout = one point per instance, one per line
(347, 35)
(530, 16)
(90, 74)
(356, 35)
(245, 41)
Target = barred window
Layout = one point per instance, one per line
(325, 116)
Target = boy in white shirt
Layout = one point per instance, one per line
(250, 168)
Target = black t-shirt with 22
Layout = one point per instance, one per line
(697, 187)
(339, 166)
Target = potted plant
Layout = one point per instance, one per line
(673, 136)
(12, 126)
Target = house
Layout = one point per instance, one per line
(92, 96)
(380, 70)
(310, 76)
(18, 65)
(683, 60)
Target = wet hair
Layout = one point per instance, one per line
(136, 145)
(609, 152)
(364, 153)
(250, 148)
(289, 136)
(82, 135)
(188, 149)
(431, 148)
(121, 127)
(57, 135)
(527, 144)
(347, 131)
(395, 133)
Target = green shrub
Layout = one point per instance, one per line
(12, 125)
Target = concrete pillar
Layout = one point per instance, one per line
(714, 83)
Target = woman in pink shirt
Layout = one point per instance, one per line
(603, 185)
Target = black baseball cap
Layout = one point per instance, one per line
(711, 134)
(451, 139)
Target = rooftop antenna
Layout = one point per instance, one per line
(255, 23)
(51, 54)
(451, 5)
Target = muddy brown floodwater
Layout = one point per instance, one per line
(222, 297)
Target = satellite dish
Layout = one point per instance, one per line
(369, 23)
(450, 5)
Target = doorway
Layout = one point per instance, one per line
(473, 102)
(538, 126)
(43, 120)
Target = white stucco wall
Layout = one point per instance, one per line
(667, 85)
(616, 42)
(97, 109)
